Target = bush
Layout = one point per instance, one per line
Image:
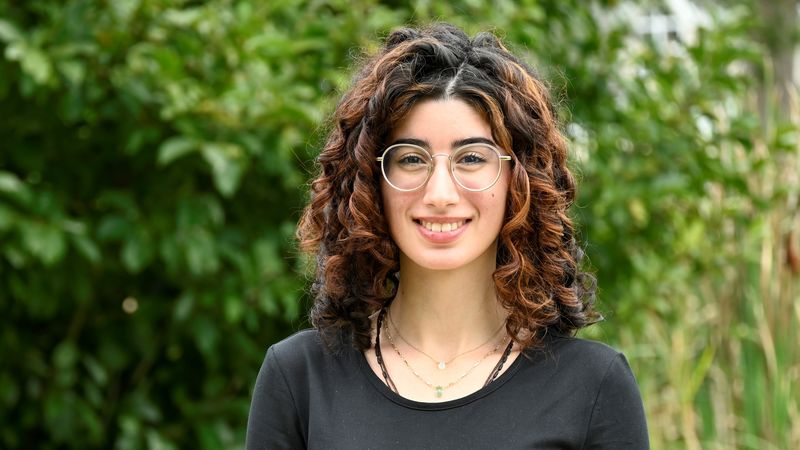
(153, 165)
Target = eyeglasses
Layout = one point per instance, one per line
(474, 167)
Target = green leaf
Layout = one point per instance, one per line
(113, 227)
(183, 307)
(227, 163)
(65, 355)
(44, 241)
(174, 148)
(234, 308)
(9, 390)
(156, 441)
(137, 252)
(73, 70)
(267, 302)
(206, 335)
(8, 217)
(10, 183)
(15, 255)
(209, 437)
(123, 201)
(59, 414)
(124, 9)
(182, 17)
(33, 61)
(142, 404)
(87, 248)
(171, 253)
(201, 210)
(9, 32)
(15, 188)
(200, 251)
(96, 370)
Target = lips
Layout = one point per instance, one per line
(442, 230)
(439, 227)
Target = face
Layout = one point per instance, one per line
(442, 226)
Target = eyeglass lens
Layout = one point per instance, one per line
(474, 167)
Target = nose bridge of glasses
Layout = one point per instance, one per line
(447, 164)
(444, 155)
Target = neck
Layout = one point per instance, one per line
(446, 312)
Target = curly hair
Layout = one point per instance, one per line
(537, 279)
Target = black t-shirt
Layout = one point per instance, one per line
(570, 394)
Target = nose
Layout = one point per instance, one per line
(441, 189)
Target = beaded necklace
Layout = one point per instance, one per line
(440, 363)
(438, 390)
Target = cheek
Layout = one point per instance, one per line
(388, 204)
(393, 208)
(496, 203)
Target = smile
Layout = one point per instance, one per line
(444, 231)
(442, 227)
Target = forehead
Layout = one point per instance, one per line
(441, 122)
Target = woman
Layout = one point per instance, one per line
(447, 288)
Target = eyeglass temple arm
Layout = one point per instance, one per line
(502, 158)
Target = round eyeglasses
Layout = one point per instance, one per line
(474, 167)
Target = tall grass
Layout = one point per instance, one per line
(723, 372)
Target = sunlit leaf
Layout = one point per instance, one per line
(174, 148)
(44, 241)
(9, 31)
(227, 163)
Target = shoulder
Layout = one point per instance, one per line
(586, 362)
(281, 392)
(303, 341)
(297, 349)
(602, 378)
(590, 354)
(304, 352)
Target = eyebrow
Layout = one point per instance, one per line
(455, 144)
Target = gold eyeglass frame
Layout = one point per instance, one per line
(501, 157)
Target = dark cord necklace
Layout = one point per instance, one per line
(379, 356)
(388, 379)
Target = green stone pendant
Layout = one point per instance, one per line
(442, 365)
(439, 391)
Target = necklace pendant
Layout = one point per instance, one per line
(442, 365)
(439, 391)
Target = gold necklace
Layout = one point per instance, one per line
(442, 364)
(438, 389)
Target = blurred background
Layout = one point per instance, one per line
(153, 161)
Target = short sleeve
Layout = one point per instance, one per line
(618, 420)
(273, 422)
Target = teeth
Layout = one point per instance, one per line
(442, 227)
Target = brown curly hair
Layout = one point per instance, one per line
(537, 279)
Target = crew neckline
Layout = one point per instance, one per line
(378, 384)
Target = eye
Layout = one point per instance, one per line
(410, 159)
(471, 158)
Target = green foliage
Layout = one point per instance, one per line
(152, 171)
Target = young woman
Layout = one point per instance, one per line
(448, 287)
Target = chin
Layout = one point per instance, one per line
(441, 265)
(447, 262)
